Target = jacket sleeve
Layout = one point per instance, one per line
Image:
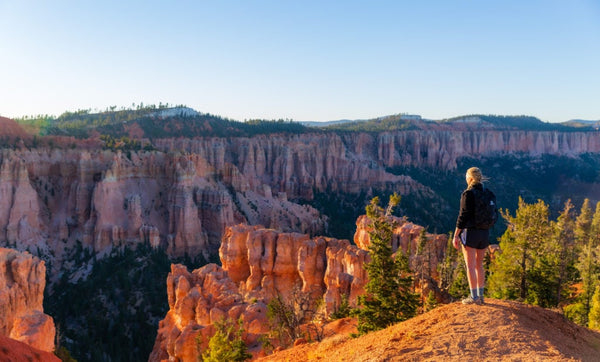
(466, 210)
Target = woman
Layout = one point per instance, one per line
(474, 241)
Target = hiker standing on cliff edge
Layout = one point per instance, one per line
(478, 213)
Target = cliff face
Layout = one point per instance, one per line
(259, 264)
(51, 199)
(22, 282)
(184, 197)
(296, 164)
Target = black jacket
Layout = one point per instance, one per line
(466, 216)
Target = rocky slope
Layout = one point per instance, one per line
(22, 282)
(496, 331)
(257, 265)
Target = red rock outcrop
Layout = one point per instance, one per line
(264, 263)
(258, 264)
(22, 282)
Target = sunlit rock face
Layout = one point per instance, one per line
(258, 264)
(184, 197)
(50, 199)
(22, 282)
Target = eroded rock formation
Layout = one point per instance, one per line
(52, 198)
(257, 265)
(183, 197)
(22, 282)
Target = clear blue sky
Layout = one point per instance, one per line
(304, 60)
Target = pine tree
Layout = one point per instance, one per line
(521, 271)
(226, 344)
(422, 263)
(431, 302)
(594, 316)
(452, 272)
(562, 249)
(388, 298)
(587, 246)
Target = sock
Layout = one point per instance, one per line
(480, 292)
(474, 293)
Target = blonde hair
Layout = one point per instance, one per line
(474, 173)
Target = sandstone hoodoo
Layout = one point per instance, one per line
(259, 264)
(52, 198)
(184, 196)
(22, 282)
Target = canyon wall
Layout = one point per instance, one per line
(257, 265)
(22, 282)
(49, 199)
(183, 197)
(350, 159)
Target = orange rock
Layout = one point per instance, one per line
(258, 264)
(22, 282)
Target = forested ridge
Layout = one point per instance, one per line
(167, 120)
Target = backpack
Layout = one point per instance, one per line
(486, 212)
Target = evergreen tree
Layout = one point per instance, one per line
(594, 316)
(226, 344)
(522, 271)
(421, 264)
(562, 249)
(587, 246)
(452, 273)
(430, 302)
(388, 297)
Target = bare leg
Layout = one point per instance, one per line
(480, 255)
(470, 255)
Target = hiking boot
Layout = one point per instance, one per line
(471, 300)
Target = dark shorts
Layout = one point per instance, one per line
(475, 238)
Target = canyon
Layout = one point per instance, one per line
(183, 197)
(261, 203)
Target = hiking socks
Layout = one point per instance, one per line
(474, 293)
(480, 293)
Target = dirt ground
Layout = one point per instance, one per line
(497, 331)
